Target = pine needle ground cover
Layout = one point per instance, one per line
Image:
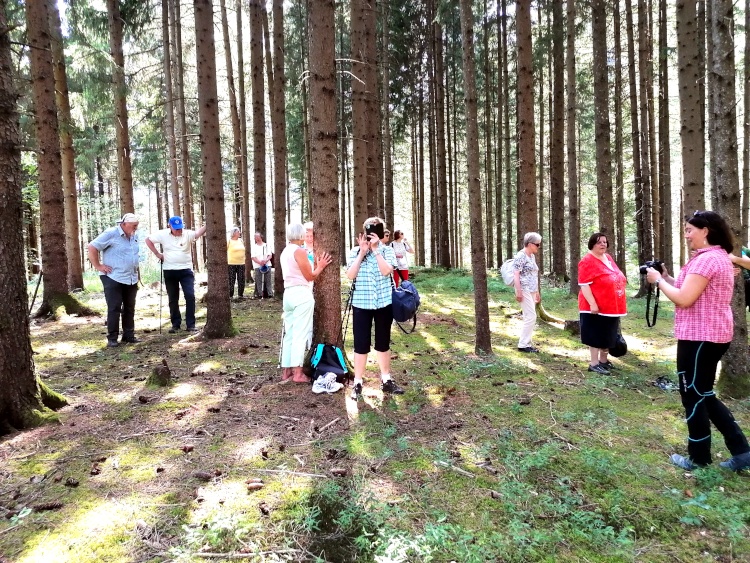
(513, 457)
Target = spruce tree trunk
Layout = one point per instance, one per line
(483, 343)
(509, 239)
(259, 117)
(20, 399)
(244, 175)
(218, 314)
(441, 209)
(385, 104)
(119, 89)
(489, 189)
(619, 187)
(324, 170)
(574, 226)
(527, 205)
(169, 107)
(278, 128)
(602, 120)
(72, 241)
(734, 364)
(557, 144)
(746, 131)
(645, 94)
(500, 132)
(665, 167)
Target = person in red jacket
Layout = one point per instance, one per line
(601, 302)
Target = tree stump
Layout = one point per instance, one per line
(573, 327)
(161, 375)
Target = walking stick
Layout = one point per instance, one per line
(38, 281)
(161, 283)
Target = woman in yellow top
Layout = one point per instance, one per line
(236, 261)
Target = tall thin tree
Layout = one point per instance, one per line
(483, 343)
(574, 225)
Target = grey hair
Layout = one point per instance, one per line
(531, 238)
(234, 230)
(295, 231)
(308, 226)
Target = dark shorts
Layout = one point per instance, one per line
(599, 331)
(362, 320)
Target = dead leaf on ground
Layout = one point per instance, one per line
(187, 448)
(265, 510)
(202, 475)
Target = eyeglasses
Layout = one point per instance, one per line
(537, 244)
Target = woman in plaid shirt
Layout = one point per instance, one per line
(704, 326)
(370, 265)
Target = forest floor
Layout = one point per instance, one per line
(512, 457)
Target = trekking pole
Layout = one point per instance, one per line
(38, 281)
(161, 283)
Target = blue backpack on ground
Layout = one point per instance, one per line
(405, 304)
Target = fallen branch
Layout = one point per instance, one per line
(290, 472)
(242, 555)
(454, 468)
(334, 421)
(288, 418)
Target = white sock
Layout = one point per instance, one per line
(358, 381)
(385, 377)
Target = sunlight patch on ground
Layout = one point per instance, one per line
(433, 342)
(182, 391)
(95, 533)
(250, 451)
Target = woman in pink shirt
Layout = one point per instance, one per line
(704, 326)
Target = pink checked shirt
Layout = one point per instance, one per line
(710, 317)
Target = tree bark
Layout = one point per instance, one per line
(443, 219)
(619, 242)
(557, 144)
(245, 177)
(665, 167)
(218, 311)
(488, 137)
(509, 239)
(259, 123)
(601, 110)
(734, 364)
(324, 171)
(646, 186)
(169, 106)
(278, 127)
(483, 343)
(72, 241)
(385, 104)
(121, 108)
(574, 225)
(49, 166)
(689, 77)
(527, 206)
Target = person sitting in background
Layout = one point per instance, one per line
(704, 327)
(601, 302)
(236, 261)
(400, 248)
(526, 282)
(299, 303)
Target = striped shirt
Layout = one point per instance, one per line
(709, 319)
(372, 290)
(119, 253)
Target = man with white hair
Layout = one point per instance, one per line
(118, 269)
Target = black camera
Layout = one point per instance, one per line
(376, 228)
(655, 264)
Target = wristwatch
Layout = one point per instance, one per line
(656, 282)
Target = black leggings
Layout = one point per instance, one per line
(696, 369)
(236, 271)
(362, 320)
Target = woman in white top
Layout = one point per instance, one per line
(401, 246)
(299, 303)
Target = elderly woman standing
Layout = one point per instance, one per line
(601, 302)
(704, 327)
(370, 265)
(526, 282)
(236, 261)
(299, 303)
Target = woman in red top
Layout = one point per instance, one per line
(601, 302)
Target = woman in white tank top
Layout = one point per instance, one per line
(299, 303)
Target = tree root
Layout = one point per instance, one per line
(63, 303)
(545, 316)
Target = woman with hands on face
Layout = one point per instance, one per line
(370, 265)
(704, 327)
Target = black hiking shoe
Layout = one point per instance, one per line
(391, 387)
(357, 392)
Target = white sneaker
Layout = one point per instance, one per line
(326, 383)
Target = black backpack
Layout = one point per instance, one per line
(329, 358)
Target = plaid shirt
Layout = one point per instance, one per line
(709, 319)
(372, 290)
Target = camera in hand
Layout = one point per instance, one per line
(655, 264)
(376, 228)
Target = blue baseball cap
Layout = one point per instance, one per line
(175, 222)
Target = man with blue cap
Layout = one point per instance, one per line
(261, 256)
(118, 269)
(177, 263)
